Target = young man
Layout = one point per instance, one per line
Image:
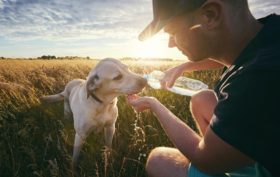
(239, 120)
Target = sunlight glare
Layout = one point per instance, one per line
(155, 47)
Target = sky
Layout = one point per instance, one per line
(88, 28)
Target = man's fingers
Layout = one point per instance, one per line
(132, 97)
(133, 100)
(163, 84)
(170, 84)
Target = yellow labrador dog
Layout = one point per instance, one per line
(93, 102)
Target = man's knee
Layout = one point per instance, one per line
(201, 97)
(165, 161)
(154, 160)
(203, 100)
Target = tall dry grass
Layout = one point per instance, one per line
(35, 139)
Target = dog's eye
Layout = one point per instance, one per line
(119, 77)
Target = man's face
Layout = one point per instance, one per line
(185, 33)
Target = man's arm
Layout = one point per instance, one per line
(209, 153)
(172, 74)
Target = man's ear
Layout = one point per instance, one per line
(211, 15)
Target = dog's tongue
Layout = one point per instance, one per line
(131, 97)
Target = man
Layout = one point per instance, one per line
(239, 120)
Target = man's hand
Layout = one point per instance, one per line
(170, 77)
(141, 103)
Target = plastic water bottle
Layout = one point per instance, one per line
(183, 85)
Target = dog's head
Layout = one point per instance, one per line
(112, 78)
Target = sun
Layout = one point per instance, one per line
(155, 47)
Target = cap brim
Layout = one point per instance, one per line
(154, 27)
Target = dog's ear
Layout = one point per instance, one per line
(93, 83)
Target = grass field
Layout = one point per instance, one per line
(35, 139)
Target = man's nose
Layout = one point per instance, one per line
(171, 42)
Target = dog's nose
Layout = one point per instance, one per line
(142, 82)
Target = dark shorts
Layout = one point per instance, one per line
(255, 170)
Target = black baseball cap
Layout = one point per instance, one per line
(164, 11)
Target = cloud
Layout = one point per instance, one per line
(64, 27)
(64, 19)
(262, 8)
(85, 19)
(1, 4)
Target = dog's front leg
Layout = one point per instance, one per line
(79, 141)
(109, 133)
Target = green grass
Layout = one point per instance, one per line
(36, 140)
